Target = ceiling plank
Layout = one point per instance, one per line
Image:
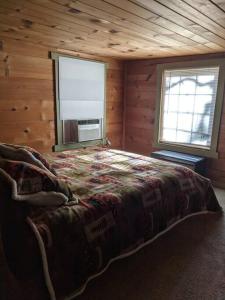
(146, 17)
(220, 4)
(123, 29)
(209, 9)
(145, 35)
(51, 41)
(103, 40)
(196, 16)
(134, 42)
(168, 10)
(124, 18)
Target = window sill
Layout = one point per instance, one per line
(187, 149)
(63, 147)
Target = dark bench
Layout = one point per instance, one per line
(194, 162)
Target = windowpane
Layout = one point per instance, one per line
(200, 139)
(204, 90)
(184, 121)
(188, 106)
(187, 85)
(203, 104)
(169, 135)
(170, 120)
(80, 87)
(166, 103)
(183, 136)
(206, 84)
(173, 103)
(174, 85)
(202, 124)
(167, 83)
(186, 103)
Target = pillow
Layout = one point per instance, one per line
(26, 154)
(33, 184)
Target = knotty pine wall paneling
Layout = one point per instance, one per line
(139, 112)
(27, 95)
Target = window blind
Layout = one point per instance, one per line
(188, 105)
(81, 89)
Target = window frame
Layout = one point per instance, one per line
(212, 151)
(60, 146)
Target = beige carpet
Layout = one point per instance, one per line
(186, 263)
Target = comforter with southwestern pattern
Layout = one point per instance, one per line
(124, 200)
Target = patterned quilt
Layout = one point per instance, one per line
(124, 201)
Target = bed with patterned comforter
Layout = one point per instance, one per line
(121, 202)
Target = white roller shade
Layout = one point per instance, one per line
(81, 89)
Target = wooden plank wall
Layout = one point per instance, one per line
(139, 111)
(27, 95)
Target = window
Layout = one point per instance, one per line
(189, 108)
(80, 101)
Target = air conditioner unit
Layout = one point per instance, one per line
(89, 130)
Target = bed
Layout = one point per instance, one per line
(78, 211)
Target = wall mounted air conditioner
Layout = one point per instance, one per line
(89, 130)
(75, 131)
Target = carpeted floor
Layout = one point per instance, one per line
(187, 263)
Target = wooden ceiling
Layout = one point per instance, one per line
(123, 29)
